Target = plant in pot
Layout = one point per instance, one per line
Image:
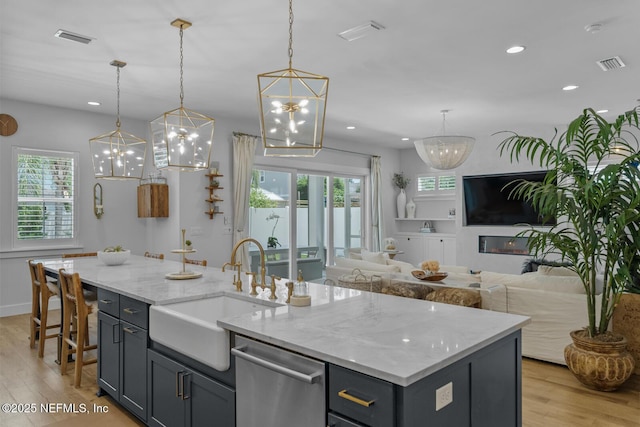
(592, 187)
(272, 241)
(401, 202)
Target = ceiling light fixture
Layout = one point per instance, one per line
(93, 103)
(570, 87)
(405, 139)
(602, 111)
(293, 104)
(351, 127)
(445, 151)
(118, 154)
(182, 139)
(516, 49)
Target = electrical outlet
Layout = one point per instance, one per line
(444, 396)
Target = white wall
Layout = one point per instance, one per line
(484, 159)
(48, 127)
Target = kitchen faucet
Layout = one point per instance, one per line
(237, 281)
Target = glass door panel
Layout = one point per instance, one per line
(347, 215)
(310, 225)
(269, 219)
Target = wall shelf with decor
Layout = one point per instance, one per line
(213, 186)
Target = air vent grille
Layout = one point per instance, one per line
(64, 34)
(360, 31)
(613, 63)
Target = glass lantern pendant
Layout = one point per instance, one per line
(118, 154)
(292, 108)
(182, 139)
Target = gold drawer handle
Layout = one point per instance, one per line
(354, 399)
(106, 301)
(130, 310)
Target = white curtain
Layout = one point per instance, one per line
(377, 224)
(244, 147)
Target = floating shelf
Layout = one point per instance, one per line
(212, 199)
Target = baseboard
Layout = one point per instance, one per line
(17, 309)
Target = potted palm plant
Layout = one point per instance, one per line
(592, 187)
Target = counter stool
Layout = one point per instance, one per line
(152, 255)
(41, 291)
(75, 325)
(196, 262)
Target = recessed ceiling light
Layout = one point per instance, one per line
(74, 37)
(570, 87)
(516, 49)
(94, 103)
(351, 127)
(405, 139)
(602, 111)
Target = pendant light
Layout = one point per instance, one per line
(118, 154)
(182, 139)
(292, 108)
(445, 151)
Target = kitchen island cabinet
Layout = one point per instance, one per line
(181, 396)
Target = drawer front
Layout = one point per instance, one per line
(361, 397)
(134, 311)
(336, 421)
(109, 302)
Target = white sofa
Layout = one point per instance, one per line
(553, 297)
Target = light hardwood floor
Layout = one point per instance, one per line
(552, 397)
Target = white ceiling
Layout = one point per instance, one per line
(433, 55)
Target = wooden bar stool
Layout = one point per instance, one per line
(75, 325)
(152, 255)
(41, 291)
(82, 254)
(196, 262)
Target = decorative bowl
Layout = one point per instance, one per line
(114, 258)
(431, 277)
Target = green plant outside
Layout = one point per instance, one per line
(596, 203)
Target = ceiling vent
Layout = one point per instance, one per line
(64, 34)
(360, 31)
(611, 63)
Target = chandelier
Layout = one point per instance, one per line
(182, 139)
(445, 151)
(292, 108)
(118, 154)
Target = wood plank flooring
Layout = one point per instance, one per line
(552, 397)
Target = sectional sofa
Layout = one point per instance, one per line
(553, 297)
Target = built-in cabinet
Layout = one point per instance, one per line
(181, 396)
(481, 390)
(122, 350)
(153, 201)
(418, 247)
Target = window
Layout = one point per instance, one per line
(45, 197)
(436, 185)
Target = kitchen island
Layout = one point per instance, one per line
(412, 348)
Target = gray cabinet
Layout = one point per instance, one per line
(122, 350)
(181, 396)
(484, 390)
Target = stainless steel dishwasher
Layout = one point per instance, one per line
(275, 387)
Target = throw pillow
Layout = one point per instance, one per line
(365, 266)
(376, 257)
(405, 267)
(556, 271)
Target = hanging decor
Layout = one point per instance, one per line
(182, 139)
(118, 154)
(445, 151)
(292, 108)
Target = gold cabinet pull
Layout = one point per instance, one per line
(345, 395)
(106, 301)
(130, 310)
(129, 330)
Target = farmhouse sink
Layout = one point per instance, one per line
(190, 327)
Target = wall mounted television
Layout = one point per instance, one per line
(487, 201)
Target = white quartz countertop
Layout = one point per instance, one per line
(397, 339)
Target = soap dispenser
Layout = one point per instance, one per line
(300, 297)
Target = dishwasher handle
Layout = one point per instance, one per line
(241, 352)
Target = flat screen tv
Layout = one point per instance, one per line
(487, 201)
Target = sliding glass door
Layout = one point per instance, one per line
(325, 223)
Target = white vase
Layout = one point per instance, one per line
(401, 203)
(411, 209)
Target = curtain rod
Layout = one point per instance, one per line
(324, 148)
